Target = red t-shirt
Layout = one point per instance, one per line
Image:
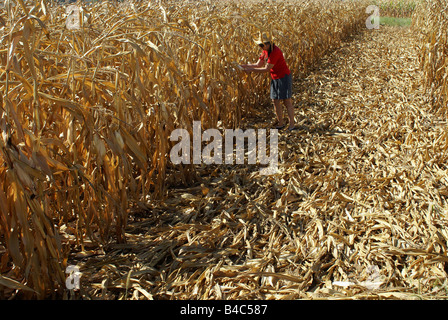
(280, 68)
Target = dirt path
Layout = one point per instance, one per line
(361, 198)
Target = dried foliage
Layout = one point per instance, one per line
(86, 113)
(431, 23)
(396, 8)
(359, 210)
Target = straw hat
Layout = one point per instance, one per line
(264, 37)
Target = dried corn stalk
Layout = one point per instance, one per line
(90, 96)
(431, 22)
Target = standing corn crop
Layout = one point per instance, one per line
(86, 110)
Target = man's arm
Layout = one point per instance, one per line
(259, 69)
(259, 64)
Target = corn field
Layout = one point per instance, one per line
(432, 22)
(396, 8)
(90, 96)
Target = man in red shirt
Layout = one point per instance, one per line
(272, 60)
